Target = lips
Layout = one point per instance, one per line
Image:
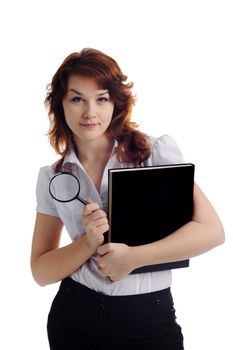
(89, 125)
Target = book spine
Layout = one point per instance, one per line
(109, 205)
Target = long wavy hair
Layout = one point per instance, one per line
(133, 145)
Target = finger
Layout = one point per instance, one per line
(97, 214)
(101, 262)
(105, 270)
(90, 208)
(104, 274)
(97, 230)
(96, 223)
(101, 222)
(102, 229)
(104, 249)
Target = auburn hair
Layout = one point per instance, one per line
(133, 145)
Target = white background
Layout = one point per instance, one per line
(179, 55)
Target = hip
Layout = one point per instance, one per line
(144, 320)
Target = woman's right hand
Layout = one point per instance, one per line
(95, 223)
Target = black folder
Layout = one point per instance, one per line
(146, 204)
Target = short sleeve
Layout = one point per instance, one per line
(165, 150)
(45, 203)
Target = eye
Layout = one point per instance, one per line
(77, 99)
(103, 99)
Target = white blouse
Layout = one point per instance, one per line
(164, 151)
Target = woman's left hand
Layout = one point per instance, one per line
(115, 260)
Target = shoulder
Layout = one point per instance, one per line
(45, 203)
(165, 150)
(46, 172)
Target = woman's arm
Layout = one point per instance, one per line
(49, 263)
(203, 233)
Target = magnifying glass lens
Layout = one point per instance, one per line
(64, 187)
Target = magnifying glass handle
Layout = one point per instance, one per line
(82, 200)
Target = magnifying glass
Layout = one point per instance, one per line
(65, 187)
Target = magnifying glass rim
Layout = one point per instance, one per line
(64, 200)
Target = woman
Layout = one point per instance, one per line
(100, 305)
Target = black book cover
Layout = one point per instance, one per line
(148, 203)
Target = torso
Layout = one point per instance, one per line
(95, 169)
(94, 187)
(96, 173)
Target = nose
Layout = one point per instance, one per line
(89, 112)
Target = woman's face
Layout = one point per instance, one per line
(88, 109)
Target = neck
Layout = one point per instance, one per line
(94, 150)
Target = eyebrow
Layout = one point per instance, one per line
(98, 94)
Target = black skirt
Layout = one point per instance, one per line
(82, 319)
